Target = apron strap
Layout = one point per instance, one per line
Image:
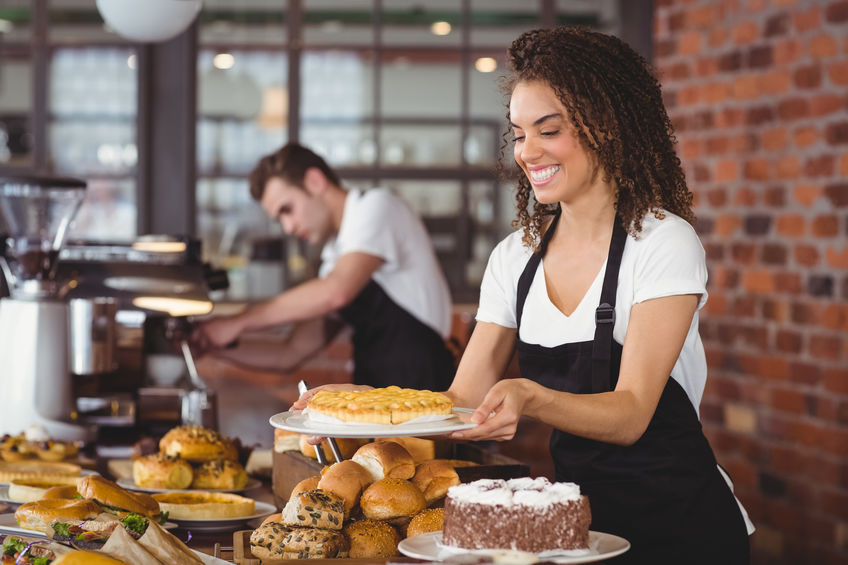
(530, 271)
(605, 313)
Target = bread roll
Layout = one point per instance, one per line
(309, 483)
(347, 447)
(273, 518)
(429, 520)
(274, 541)
(162, 471)
(80, 557)
(39, 514)
(117, 499)
(385, 459)
(434, 478)
(223, 474)
(285, 440)
(421, 449)
(315, 509)
(347, 479)
(197, 444)
(371, 539)
(388, 499)
(66, 491)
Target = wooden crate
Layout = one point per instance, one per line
(243, 556)
(291, 467)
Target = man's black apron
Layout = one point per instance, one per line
(393, 347)
(664, 493)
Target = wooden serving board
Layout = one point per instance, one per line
(243, 556)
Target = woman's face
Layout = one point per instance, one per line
(546, 147)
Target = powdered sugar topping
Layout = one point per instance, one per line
(524, 491)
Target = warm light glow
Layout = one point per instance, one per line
(485, 64)
(440, 28)
(131, 61)
(160, 246)
(224, 61)
(173, 306)
(275, 107)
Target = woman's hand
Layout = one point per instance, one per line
(498, 415)
(215, 333)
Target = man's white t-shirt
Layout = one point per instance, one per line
(667, 259)
(379, 223)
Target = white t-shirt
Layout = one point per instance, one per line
(667, 259)
(379, 223)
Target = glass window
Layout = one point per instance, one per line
(16, 82)
(330, 22)
(228, 23)
(496, 23)
(435, 23)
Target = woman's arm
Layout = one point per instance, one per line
(654, 338)
(483, 363)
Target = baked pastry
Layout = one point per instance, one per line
(204, 505)
(371, 539)
(385, 459)
(390, 405)
(316, 509)
(347, 479)
(116, 499)
(162, 471)
(66, 491)
(421, 449)
(392, 499)
(14, 448)
(309, 483)
(429, 520)
(274, 541)
(434, 478)
(29, 490)
(347, 447)
(285, 440)
(39, 514)
(197, 444)
(53, 450)
(81, 557)
(223, 474)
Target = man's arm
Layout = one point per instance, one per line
(312, 299)
(305, 339)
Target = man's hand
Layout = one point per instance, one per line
(215, 333)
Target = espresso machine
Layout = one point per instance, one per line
(34, 318)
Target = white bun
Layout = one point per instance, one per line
(386, 459)
(347, 479)
(434, 478)
(388, 499)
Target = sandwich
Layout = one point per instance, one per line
(94, 533)
(121, 545)
(117, 500)
(22, 550)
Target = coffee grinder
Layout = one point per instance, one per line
(34, 320)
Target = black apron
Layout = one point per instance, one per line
(664, 493)
(393, 347)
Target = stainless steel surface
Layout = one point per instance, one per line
(337, 453)
(196, 381)
(93, 335)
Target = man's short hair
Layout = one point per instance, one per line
(290, 163)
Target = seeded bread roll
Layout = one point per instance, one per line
(434, 478)
(386, 459)
(371, 539)
(266, 541)
(316, 509)
(347, 479)
(197, 444)
(429, 520)
(389, 499)
(223, 474)
(160, 470)
(309, 483)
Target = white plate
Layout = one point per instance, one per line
(128, 483)
(8, 525)
(428, 546)
(261, 510)
(297, 421)
(4, 496)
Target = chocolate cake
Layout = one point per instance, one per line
(523, 514)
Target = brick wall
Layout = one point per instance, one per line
(758, 92)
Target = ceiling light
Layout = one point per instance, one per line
(485, 64)
(149, 20)
(440, 28)
(224, 61)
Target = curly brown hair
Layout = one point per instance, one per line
(290, 163)
(615, 105)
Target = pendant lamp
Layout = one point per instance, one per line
(149, 20)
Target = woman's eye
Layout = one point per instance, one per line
(517, 138)
(550, 133)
